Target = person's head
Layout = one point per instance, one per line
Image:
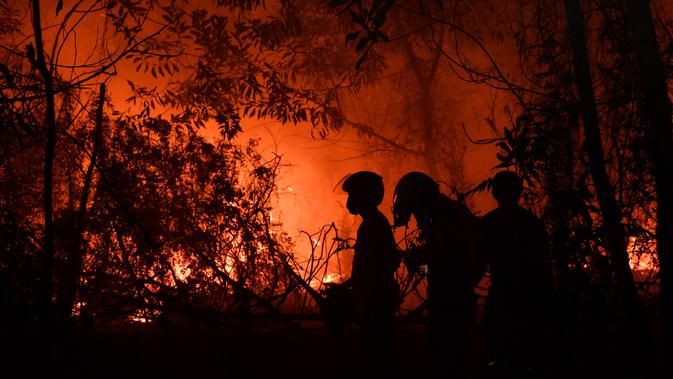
(506, 188)
(365, 191)
(411, 191)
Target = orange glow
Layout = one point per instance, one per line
(306, 197)
(141, 320)
(642, 255)
(76, 310)
(180, 267)
(327, 278)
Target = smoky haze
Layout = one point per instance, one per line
(171, 174)
(392, 107)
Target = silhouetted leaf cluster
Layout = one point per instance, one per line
(370, 19)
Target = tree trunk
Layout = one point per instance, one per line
(610, 210)
(429, 130)
(75, 257)
(657, 106)
(425, 79)
(49, 152)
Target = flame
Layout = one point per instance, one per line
(76, 310)
(642, 255)
(180, 267)
(143, 316)
(142, 320)
(332, 277)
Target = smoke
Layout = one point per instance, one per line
(309, 190)
(309, 194)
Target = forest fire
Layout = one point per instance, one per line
(235, 170)
(327, 279)
(641, 258)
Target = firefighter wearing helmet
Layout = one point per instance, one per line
(449, 235)
(375, 291)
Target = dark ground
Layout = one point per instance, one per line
(143, 351)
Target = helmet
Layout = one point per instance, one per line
(412, 188)
(506, 186)
(366, 186)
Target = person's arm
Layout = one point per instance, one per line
(546, 274)
(360, 245)
(481, 252)
(415, 257)
(541, 266)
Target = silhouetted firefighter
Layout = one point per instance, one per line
(448, 230)
(375, 291)
(515, 246)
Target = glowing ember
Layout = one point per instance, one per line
(143, 316)
(76, 310)
(141, 320)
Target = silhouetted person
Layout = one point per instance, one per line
(515, 246)
(375, 291)
(448, 230)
